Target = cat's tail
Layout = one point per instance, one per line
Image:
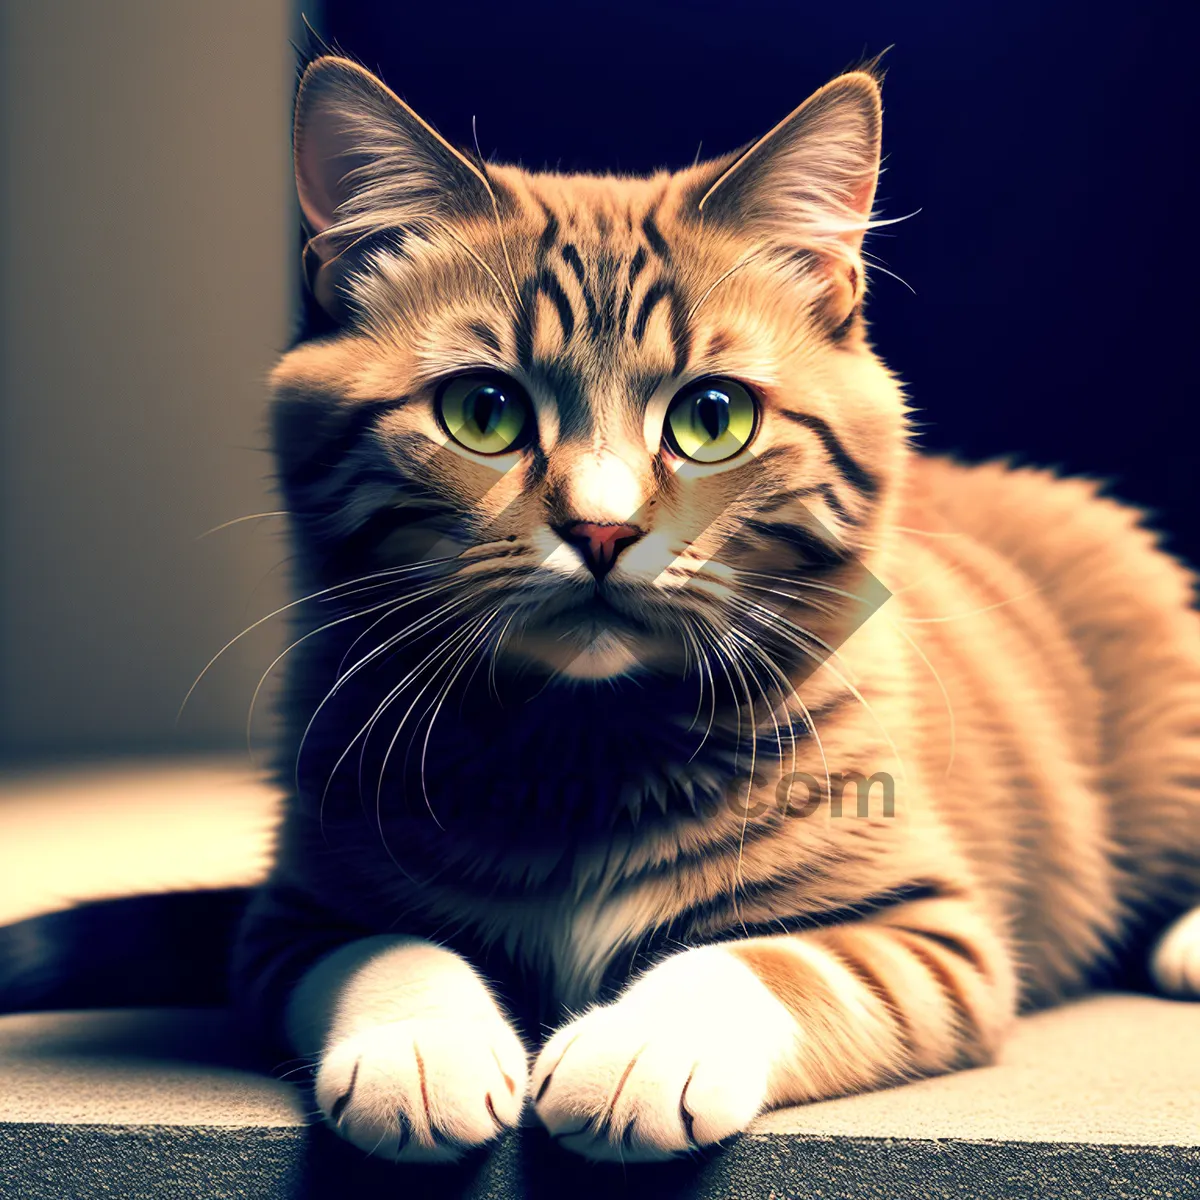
(133, 951)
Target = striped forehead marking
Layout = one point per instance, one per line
(606, 287)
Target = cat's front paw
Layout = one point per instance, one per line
(622, 1085)
(680, 1062)
(425, 1090)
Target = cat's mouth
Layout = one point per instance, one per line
(562, 606)
(600, 609)
(596, 635)
(588, 616)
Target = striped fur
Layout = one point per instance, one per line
(514, 814)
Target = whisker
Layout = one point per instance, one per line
(811, 725)
(820, 607)
(354, 616)
(691, 647)
(495, 653)
(744, 261)
(487, 182)
(876, 265)
(478, 259)
(238, 520)
(473, 643)
(953, 731)
(755, 609)
(739, 636)
(762, 656)
(392, 606)
(434, 590)
(365, 731)
(449, 647)
(929, 533)
(385, 578)
(442, 611)
(708, 637)
(975, 612)
(712, 696)
(824, 662)
(806, 716)
(808, 584)
(475, 671)
(739, 881)
(285, 608)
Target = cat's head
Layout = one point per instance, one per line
(601, 425)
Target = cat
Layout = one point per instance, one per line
(616, 566)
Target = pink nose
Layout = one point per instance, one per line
(598, 543)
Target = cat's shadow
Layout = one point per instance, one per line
(521, 1166)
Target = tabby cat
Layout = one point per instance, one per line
(618, 568)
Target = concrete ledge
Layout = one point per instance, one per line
(1097, 1100)
(151, 1163)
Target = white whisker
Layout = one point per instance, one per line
(953, 731)
(477, 638)
(239, 520)
(442, 612)
(448, 647)
(337, 587)
(973, 613)
(825, 663)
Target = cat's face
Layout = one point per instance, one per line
(605, 423)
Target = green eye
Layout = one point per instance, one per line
(711, 420)
(485, 413)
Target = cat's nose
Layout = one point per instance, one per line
(598, 543)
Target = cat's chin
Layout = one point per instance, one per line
(592, 640)
(601, 654)
(589, 651)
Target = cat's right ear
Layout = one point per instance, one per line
(367, 165)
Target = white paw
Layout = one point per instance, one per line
(1175, 963)
(619, 1085)
(677, 1063)
(424, 1090)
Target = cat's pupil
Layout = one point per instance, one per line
(712, 413)
(487, 407)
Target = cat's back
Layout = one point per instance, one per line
(1051, 547)
(1067, 643)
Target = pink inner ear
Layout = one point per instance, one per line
(861, 196)
(859, 200)
(324, 157)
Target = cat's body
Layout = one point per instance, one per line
(1026, 642)
(562, 778)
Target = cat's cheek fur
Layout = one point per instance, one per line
(416, 1062)
(683, 1059)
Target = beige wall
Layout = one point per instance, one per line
(145, 281)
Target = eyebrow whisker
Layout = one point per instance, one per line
(744, 261)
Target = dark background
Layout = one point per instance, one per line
(1049, 147)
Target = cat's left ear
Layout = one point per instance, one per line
(810, 182)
